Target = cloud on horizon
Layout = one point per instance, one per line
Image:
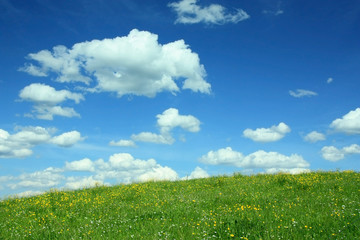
(188, 12)
(269, 161)
(120, 168)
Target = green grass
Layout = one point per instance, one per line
(319, 205)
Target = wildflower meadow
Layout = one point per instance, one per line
(317, 205)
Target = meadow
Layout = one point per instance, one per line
(317, 205)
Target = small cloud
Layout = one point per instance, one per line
(271, 134)
(188, 12)
(167, 121)
(67, 139)
(153, 138)
(334, 154)
(275, 13)
(46, 100)
(302, 93)
(349, 123)
(314, 136)
(330, 80)
(123, 143)
(197, 173)
(84, 165)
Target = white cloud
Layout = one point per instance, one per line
(314, 136)
(29, 193)
(84, 165)
(352, 149)
(84, 182)
(152, 138)
(44, 94)
(48, 112)
(329, 80)
(67, 139)
(302, 93)
(46, 99)
(123, 143)
(135, 64)
(170, 119)
(334, 154)
(19, 145)
(158, 174)
(271, 134)
(286, 170)
(125, 169)
(349, 123)
(197, 173)
(258, 159)
(188, 12)
(32, 70)
(31, 136)
(47, 178)
(120, 168)
(167, 121)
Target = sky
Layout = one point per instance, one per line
(108, 92)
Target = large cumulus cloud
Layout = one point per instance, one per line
(134, 64)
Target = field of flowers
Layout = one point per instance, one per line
(319, 205)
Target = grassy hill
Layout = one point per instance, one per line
(319, 205)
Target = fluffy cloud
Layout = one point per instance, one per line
(123, 143)
(124, 168)
(135, 64)
(314, 136)
(271, 134)
(67, 139)
(349, 123)
(119, 168)
(153, 138)
(84, 165)
(84, 182)
(170, 119)
(287, 170)
(334, 154)
(259, 159)
(47, 178)
(329, 80)
(302, 93)
(158, 174)
(197, 173)
(46, 100)
(167, 121)
(188, 12)
(19, 145)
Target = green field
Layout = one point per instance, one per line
(318, 205)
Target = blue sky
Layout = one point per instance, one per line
(108, 92)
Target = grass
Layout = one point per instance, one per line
(318, 205)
